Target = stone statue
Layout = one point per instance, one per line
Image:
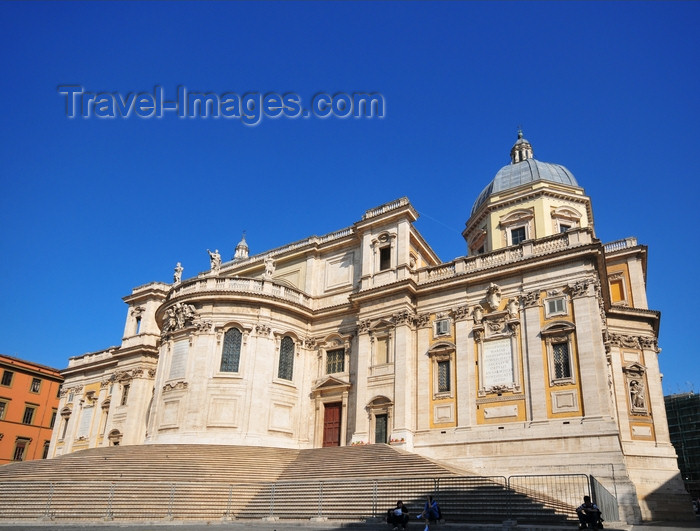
(177, 275)
(269, 268)
(637, 398)
(478, 315)
(493, 296)
(215, 259)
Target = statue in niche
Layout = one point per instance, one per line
(269, 268)
(214, 259)
(637, 398)
(513, 308)
(177, 274)
(637, 395)
(493, 296)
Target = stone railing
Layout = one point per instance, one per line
(528, 249)
(241, 285)
(386, 207)
(618, 245)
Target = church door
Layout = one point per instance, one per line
(380, 426)
(331, 424)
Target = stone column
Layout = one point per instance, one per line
(362, 370)
(591, 352)
(534, 369)
(465, 369)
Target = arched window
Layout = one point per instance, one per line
(286, 366)
(231, 353)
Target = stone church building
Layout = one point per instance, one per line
(535, 353)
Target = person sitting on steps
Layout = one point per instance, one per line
(398, 516)
(589, 516)
(431, 513)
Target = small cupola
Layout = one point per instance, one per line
(241, 249)
(521, 150)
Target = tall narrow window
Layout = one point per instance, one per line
(46, 450)
(7, 378)
(36, 385)
(53, 418)
(443, 368)
(125, 394)
(231, 353)
(382, 351)
(138, 325)
(28, 416)
(561, 359)
(3, 409)
(335, 361)
(384, 258)
(20, 449)
(286, 364)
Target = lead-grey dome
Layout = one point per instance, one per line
(522, 170)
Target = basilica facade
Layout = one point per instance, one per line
(535, 353)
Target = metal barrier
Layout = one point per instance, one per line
(541, 499)
(606, 502)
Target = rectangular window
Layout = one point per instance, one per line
(3, 409)
(335, 361)
(443, 368)
(384, 258)
(53, 418)
(231, 352)
(564, 228)
(442, 327)
(517, 235)
(28, 415)
(562, 363)
(382, 354)
(71, 396)
(36, 385)
(46, 450)
(20, 449)
(125, 394)
(556, 306)
(7, 378)
(617, 290)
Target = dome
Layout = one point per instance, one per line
(527, 170)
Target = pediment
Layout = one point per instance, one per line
(331, 383)
(634, 368)
(442, 347)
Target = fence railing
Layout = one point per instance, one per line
(540, 499)
(605, 500)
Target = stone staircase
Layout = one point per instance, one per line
(210, 482)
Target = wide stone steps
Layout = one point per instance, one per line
(210, 482)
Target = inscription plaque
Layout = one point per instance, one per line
(497, 363)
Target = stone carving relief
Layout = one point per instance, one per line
(513, 308)
(262, 329)
(363, 326)
(579, 289)
(269, 268)
(620, 340)
(173, 387)
(460, 313)
(478, 314)
(178, 317)
(531, 299)
(637, 396)
(422, 320)
(309, 343)
(404, 317)
(493, 296)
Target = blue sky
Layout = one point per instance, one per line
(91, 208)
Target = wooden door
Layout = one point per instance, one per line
(331, 424)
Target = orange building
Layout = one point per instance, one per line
(28, 408)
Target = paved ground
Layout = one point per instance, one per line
(321, 526)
